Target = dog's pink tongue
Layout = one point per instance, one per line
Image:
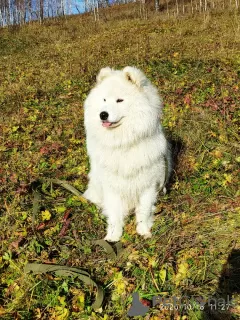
(106, 124)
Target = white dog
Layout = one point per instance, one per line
(129, 155)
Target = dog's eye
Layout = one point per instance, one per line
(119, 100)
(104, 100)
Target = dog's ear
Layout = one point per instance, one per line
(135, 76)
(104, 73)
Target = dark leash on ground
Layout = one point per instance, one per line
(114, 251)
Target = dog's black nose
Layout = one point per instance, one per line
(104, 115)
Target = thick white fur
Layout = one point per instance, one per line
(129, 163)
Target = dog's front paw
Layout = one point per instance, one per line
(144, 230)
(112, 238)
(113, 234)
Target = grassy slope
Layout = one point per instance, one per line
(45, 73)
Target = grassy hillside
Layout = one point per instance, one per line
(46, 71)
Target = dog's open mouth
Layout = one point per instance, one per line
(108, 124)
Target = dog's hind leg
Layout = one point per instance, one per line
(94, 193)
(144, 212)
(114, 210)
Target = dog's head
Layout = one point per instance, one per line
(122, 102)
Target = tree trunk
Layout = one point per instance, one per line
(41, 9)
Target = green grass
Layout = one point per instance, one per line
(46, 71)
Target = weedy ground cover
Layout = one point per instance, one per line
(46, 72)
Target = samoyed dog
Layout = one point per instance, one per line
(129, 155)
